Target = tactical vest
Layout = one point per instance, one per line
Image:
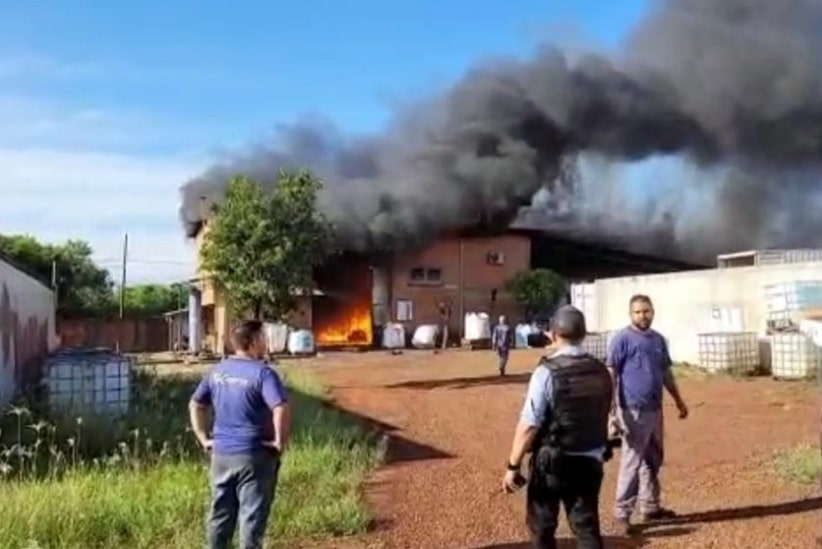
(577, 419)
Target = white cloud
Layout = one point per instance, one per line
(31, 65)
(27, 121)
(98, 197)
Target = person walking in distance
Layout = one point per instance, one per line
(502, 339)
(252, 424)
(564, 424)
(445, 321)
(641, 365)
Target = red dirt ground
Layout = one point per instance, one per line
(451, 420)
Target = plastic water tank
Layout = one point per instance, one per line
(301, 342)
(276, 337)
(729, 352)
(794, 356)
(477, 326)
(425, 336)
(393, 336)
(89, 381)
(521, 333)
(596, 344)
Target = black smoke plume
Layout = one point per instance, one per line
(732, 86)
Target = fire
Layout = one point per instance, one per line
(351, 327)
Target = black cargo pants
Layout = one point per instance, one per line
(572, 481)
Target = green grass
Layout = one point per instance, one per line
(802, 464)
(142, 482)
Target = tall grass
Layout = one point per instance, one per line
(86, 481)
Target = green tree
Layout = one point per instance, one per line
(152, 299)
(263, 243)
(537, 291)
(82, 286)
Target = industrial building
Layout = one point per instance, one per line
(735, 297)
(355, 293)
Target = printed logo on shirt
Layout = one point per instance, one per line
(220, 378)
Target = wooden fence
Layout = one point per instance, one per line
(134, 335)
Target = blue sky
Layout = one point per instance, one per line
(106, 111)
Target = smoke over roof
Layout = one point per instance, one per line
(734, 87)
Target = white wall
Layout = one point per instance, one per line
(27, 329)
(687, 303)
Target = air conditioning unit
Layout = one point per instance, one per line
(495, 258)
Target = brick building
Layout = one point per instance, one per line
(356, 294)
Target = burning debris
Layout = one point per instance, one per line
(733, 86)
(342, 316)
(343, 326)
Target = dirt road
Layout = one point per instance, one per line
(451, 421)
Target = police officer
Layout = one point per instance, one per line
(564, 424)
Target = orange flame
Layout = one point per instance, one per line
(351, 328)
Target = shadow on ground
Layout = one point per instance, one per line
(462, 382)
(610, 542)
(400, 449)
(746, 513)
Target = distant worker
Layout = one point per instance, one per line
(445, 321)
(502, 339)
(641, 366)
(564, 424)
(252, 423)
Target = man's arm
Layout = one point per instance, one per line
(276, 398)
(532, 416)
(615, 362)
(668, 378)
(198, 409)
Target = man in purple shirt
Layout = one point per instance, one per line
(252, 423)
(641, 365)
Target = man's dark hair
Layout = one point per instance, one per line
(640, 298)
(244, 334)
(569, 323)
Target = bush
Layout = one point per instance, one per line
(142, 482)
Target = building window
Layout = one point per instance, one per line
(425, 276)
(417, 274)
(405, 310)
(495, 258)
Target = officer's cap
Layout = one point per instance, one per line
(569, 323)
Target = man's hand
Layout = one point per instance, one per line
(683, 409)
(512, 481)
(274, 445)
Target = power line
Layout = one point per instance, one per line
(142, 261)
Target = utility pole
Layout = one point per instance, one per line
(54, 282)
(123, 286)
(123, 279)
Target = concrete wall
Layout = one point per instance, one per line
(467, 278)
(693, 302)
(27, 328)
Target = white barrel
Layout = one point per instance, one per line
(301, 342)
(393, 336)
(425, 336)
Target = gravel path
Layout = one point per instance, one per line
(451, 420)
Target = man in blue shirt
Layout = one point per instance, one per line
(502, 338)
(252, 424)
(641, 366)
(564, 424)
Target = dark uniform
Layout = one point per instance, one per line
(569, 401)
